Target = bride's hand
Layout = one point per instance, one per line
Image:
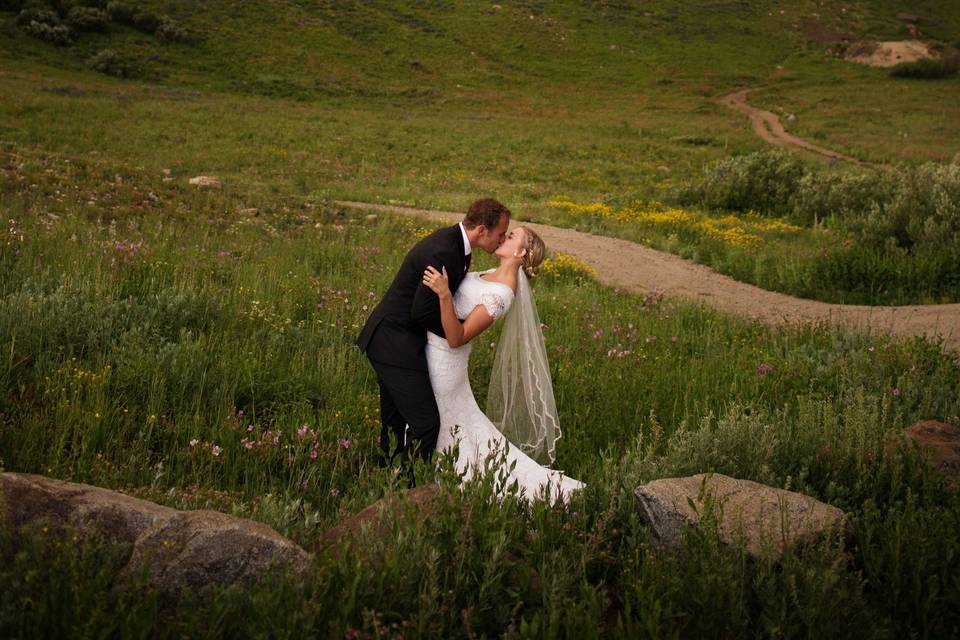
(438, 281)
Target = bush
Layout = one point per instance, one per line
(45, 25)
(927, 69)
(762, 181)
(922, 213)
(88, 19)
(169, 31)
(111, 63)
(121, 13)
(839, 196)
(37, 14)
(146, 22)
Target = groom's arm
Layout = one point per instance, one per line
(425, 310)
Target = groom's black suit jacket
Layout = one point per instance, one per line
(396, 331)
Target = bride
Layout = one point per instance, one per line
(521, 399)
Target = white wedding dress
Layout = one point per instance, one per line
(477, 436)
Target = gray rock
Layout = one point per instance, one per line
(764, 519)
(30, 498)
(196, 549)
(182, 549)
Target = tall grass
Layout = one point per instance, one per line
(196, 356)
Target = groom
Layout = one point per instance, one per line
(395, 334)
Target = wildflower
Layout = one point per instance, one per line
(896, 392)
(249, 428)
(334, 492)
(302, 431)
(240, 414)
(344, 443)
(651, 338)
(673, 338)
(598, 334)
(871, 349)
(313, 454)
(763, 369)
(215, 450)
(194, 442)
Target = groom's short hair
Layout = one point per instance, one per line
(486, 212)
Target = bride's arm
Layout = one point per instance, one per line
(457, 333)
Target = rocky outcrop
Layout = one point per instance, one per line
(181, 549)
(764, 519)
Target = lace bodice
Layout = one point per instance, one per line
(474, 290)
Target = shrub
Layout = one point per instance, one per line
(762, 181)
(88, 19)
(111, 63)
(840, 196)
(37, 14)
(45, 25)
(146, 22)
(121, 13)
(169, 31)
(921, 214)
(927, 69)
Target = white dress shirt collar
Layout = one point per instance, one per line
(466, 240)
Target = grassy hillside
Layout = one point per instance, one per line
(434, 103)
(156, 338)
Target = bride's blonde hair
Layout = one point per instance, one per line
(536, 252)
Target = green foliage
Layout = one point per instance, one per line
(922, 213)
(145, 343)
(169, 30)
(121, 12)
(760, 181)
(838, 197)
(111, 63)
(88, 19)
(45, 24)
(145, 21)
(928, 68)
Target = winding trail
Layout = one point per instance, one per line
(633, 267)
(767, 125)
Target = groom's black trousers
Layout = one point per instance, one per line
(406, 398)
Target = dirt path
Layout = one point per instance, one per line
(633, 267)
(767, 125)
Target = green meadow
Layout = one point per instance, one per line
(166, 341)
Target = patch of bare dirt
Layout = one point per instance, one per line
(633, 267)
(888, 54)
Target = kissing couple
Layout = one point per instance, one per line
(418, 339)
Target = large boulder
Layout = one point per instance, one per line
(195, 549)
(181, 549)
(764, 519)
(29, 498)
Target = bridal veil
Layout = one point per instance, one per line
(520, 400)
